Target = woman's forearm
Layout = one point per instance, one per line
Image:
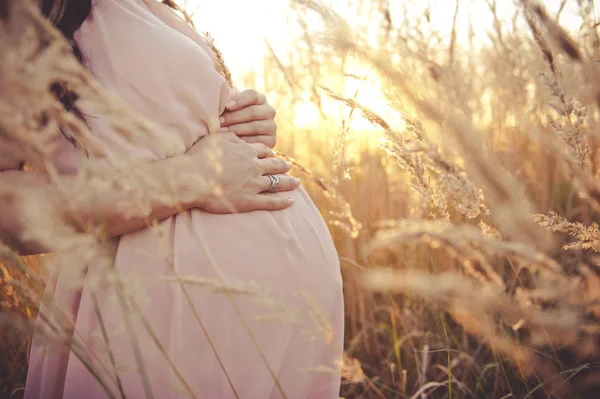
(219, 174)
(109, 206)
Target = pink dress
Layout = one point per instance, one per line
(191, 341)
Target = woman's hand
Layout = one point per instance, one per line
(236, 172)
(220, 174)
(250, 117)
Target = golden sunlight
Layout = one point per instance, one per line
(242, 27)
(445, 245)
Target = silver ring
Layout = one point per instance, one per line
(274, 183)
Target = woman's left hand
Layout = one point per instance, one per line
(251, 118)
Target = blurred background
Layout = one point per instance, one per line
(442, 139)
(452, 146)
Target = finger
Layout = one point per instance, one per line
(247, 114)
(286, 183)
(262, 151)
(211, 139)
(246, 98)
(269, 141)
(274, 166)
(257, 128)
(229, 136)
(268, 202)
(223, 136)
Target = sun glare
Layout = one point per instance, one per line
(367, 91)
(241, 28)
(306, 114)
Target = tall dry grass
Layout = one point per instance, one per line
(467, 293)
(466, 219)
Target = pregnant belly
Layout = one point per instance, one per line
(281, 311)
(282, 253)
(280, 319)
(257, 240)
(285, 249)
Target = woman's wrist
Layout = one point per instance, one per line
(188, 179)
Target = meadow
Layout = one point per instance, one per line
(458, 171)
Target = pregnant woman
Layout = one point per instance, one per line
(259, 313)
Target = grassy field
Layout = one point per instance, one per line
(458, 171)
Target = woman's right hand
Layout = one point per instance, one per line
(236, 172)
(220, 174)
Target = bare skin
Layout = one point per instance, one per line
(251, 118)
(239, 174)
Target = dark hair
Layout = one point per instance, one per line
(68, 16)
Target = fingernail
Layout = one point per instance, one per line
(291, 201)
(223, 129)
(296, 180)
(231, 104)
(289, 165)
(221, 120)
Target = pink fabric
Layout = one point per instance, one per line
(283, 263)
